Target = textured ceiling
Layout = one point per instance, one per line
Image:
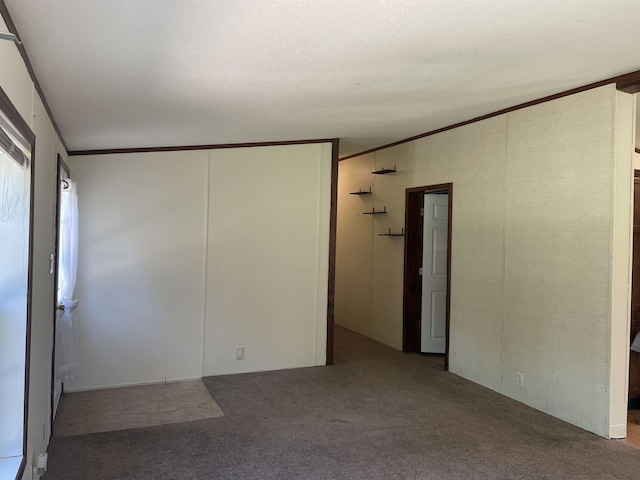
(123, 73)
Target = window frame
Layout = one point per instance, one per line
(12, 114)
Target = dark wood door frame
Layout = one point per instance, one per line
(412, 290)
(333, 225)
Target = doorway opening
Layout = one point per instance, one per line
(633, 416)
(427, 265)
(64, 361)
(63, 173)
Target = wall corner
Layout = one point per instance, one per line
(621, 252)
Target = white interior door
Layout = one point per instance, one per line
(434, 273)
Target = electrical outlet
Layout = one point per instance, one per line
(239, 353)
(520, 379)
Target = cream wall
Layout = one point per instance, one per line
(268, 256)
(16, 82)
(140, 267)
(185, 255)
(532, 283)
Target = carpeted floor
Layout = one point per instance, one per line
(376, 414)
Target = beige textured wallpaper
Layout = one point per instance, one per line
(531, 278)
(353, 245)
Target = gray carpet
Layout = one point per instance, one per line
(377, 414)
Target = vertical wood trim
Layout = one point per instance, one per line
(448, 314)
(333, 221)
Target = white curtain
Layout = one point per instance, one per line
(66, 352)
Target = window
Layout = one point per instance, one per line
(16, 145)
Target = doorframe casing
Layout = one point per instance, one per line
(412, 286)
(333, 225)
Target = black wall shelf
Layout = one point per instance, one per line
(361, 192)
(384, 171)
(373, 212)
(392, 234)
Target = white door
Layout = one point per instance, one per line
(434, 273)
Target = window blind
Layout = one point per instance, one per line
(12, 145)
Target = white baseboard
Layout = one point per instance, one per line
(618, 431)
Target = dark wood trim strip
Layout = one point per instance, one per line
(629, 82)
(112, 151)
(4, 11)
(448, 314)
(637, 150)
(439, 187)
(333, 223)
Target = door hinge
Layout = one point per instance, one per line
(420, 271)
(422, 212)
